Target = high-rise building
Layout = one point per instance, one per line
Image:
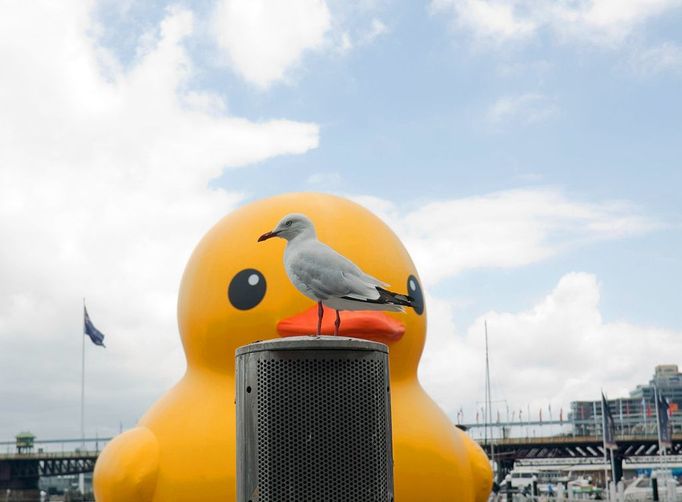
(635, 414)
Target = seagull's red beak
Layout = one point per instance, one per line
(267, 235)
(369, 325)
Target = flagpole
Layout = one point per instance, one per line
(658, 420)
(81, 478)
(83, 381)
(661, 448)
(488, 403)
(603, 437)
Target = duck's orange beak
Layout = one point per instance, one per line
(368, 325)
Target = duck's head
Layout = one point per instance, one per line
(235, 290)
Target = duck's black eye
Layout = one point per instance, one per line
(415, 291)
(288, 223)
(246, 289)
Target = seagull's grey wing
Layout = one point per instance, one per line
(329, 274)
(349, 268)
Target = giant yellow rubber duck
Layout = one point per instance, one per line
(235, 291)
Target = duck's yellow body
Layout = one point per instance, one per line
(183, 449)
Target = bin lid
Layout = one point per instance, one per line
(312, 343)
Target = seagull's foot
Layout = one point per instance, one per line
(320, 313)
(337, 324)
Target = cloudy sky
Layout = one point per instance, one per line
(526, 151)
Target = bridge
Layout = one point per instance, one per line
(574, 447)
(524, 423)
(23, 469)
(577, 450)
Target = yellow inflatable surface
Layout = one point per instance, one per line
(235, 291)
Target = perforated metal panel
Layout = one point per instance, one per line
(313, 421)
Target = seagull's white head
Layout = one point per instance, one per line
(290, 227)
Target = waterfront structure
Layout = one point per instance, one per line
(635, 414)
(25, 442)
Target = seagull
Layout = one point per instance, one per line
(326, 276)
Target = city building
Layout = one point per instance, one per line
(635, 414)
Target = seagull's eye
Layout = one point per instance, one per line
(246, 289)
(414, 290)
(288, 223)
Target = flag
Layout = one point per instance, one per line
(89, 329)
(540, 414)
(561, 415)
(608, 425)
(664, 425)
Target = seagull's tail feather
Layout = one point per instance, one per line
(387, 300)
(395, 298)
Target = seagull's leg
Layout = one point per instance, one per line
(337, 323)
(320, 313)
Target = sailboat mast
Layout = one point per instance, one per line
(488, 398)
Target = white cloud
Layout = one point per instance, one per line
(607, 22)
(267, 41)
(345, 44)
(488, 19)
(525, 109)
(503, 229)
(558, 350)
(362, 36)
(602, 22)
(377, 29)
(666, 57)
(265, 38)
(104, 178)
